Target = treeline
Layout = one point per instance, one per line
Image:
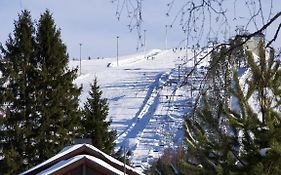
(39, 103)
(236, 126)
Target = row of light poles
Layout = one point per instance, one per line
(117, 46)
(80, 60)
(80, 49)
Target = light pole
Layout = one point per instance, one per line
(195, 56)
(144, 44)
(117, 37)
(80, 44)
(186, 49)
(166, 37)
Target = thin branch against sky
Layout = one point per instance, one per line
(96, 24)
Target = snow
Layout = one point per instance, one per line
(147, 105)
(70, 149)
(264, 151)
(65, 163)
(245, 75)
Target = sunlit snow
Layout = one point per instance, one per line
(147, 104)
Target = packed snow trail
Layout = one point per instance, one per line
(147, 110)
(146, 104)
(165, 126)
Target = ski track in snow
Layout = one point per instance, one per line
(147, 105)
(148, 108)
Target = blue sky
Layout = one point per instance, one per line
(93, 23)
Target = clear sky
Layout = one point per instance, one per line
(93, 23)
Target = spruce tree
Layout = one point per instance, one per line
(17, 97)
(95, 123)
(223, 61)
(57, 95)
(218, 75)
(39, 102)
(242, 138)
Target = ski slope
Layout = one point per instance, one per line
(147, 104)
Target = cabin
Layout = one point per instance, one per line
(81, 159)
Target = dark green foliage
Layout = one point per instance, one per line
(219, 75)
(238, 52)
(209, 145)
(223, 62)
(94, 122)
(57, 95)
(229, 139)
(39, 101)
(17, 97)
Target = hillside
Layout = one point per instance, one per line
(147, 104)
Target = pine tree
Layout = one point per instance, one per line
(57, 95)
(238, 52)
(17, 97)
(39, 102)
(218, 75)
(223, 61)
(95, 124)
(243, 138)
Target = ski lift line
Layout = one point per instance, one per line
(166, 137)
(147, 105)
(160, 118)
(139, 112)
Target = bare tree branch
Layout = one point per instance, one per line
(275, 36)
(264, 27)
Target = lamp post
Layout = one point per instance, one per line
(80, 44)
(144, 43)
(166, 37)
(186, 49)
(117, 38)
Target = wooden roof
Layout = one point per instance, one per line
(81, 149)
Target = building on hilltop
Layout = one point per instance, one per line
(253, 43)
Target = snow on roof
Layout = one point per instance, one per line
(65, 163)
(71, 148)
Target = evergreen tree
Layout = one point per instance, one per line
(242, 138)
(39, 102)
(238, 52)
(219, 75)
(17, 97)
(223, 62)
(57, 95)
(95, 123)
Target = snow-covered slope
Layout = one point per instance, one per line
(147, 105)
